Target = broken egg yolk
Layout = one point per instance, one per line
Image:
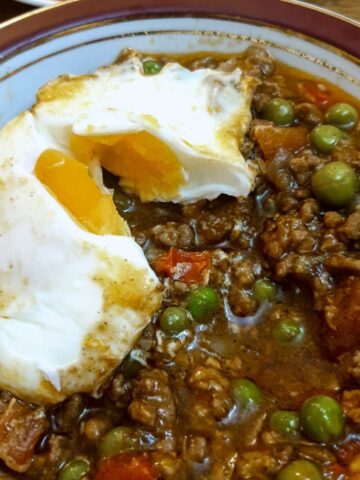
(146, 165)
(70, 182)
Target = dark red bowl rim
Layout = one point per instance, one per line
(315, 22)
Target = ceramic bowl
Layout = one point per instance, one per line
(81, 35)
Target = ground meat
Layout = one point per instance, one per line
(193, 210)
(211, 386)
(346, 152)
(247, 148)
(341, 331)
(46, 465)
(224, 456)
(262, 464)
(220, 264)
(303, 267)
(343, 264)
(317, 454)
(277, 170)
(152, 402)
(243, 235)
(233, 367)
(173, 234)
(208, 379)
(259, 62)
(195, 449)
(242, 303)
(351, 227)
(169, 466)
(243, 274)
(302, 167)
(69, 414)
(244, 271)
(287, 233)
(267, 90)
(213, 228)
(309, 114)
(225, 217)
(350, 402)
(94, 428)
(351, 365)
(119, 392)
(174, 290)
(332, 220)
(309, 210)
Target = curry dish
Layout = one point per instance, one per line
(251, 367)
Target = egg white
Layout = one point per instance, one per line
(201, 115)
(59, 334)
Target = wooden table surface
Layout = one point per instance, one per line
(10, 8)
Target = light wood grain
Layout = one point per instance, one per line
(10, 8)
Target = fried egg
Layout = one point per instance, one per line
(76, 290)
(174, 136)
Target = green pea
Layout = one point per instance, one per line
(287, 331)
(322, 419)
(151, 67)
(324, 138)
(300, 470)
(279, 111)
(118, 440)
(285, 423)
(131, 366)
(264, 290)
(246, 393)
(74, 470)
(202, 303)
(342, 115)
(334, 184)
(174, 320)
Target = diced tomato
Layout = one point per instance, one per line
(126, 467)
(314, 94)
(348, 451)
(337, 472)
(271, 138)
(20, 429)
(190, 267)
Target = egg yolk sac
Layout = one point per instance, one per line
(70, 182)
(145, 164)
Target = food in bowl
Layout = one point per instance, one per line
(238, 178)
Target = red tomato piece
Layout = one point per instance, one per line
(20, 430)
(190, 267)
(337, 471)
(347, 452)
(126, 467)
(312, 92)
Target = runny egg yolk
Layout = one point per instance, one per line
(69, 181)
(145, 164)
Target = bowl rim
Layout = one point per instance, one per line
(311, 20)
